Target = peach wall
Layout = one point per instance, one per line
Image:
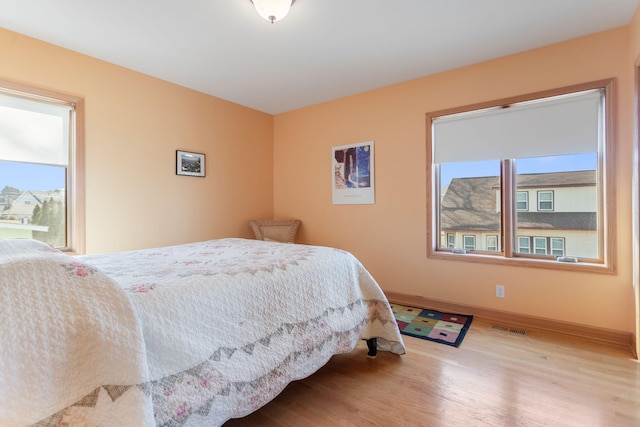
(389, 237)
(134, 124)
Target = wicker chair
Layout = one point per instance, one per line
(275, 230)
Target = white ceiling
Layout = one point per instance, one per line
(323, 50)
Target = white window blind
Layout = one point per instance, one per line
(567, 124)
(34, 131)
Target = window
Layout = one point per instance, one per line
(486, 160)
(469, 243)
(41, 169)
(557, 246)
(522, 200)
(492, 243)
(545, 200)
(524, 245)
(540, 245)
(451, 240)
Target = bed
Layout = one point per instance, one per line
(189, 335)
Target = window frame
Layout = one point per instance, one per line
(464, 242)
(520, 246)
(508, 256)
(75, 173)
(451, 243)
(540, 201)
(537, 239)
(525, 201)
(557, 239)
(497, 245)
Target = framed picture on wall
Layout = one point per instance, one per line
(352, 174)
(190, 164)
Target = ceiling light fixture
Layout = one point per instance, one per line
(273, 10)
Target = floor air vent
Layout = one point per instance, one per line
(510, 330)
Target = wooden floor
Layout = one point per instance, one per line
(495, 378)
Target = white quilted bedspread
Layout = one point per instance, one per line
(66, 330)
(225, 326)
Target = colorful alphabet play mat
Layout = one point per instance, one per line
(445, 328)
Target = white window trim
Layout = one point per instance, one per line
(554, 239)
(535, 245)
(540, 201)
(521, 246)
(496, 246)
(525, 201)
(464, 242)
(449, 243)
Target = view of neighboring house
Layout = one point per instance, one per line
(21, 208)
(7, 196)
(17, 208)
(556, 214)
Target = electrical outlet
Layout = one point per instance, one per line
(500, 291)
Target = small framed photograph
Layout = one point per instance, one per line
(190, 164)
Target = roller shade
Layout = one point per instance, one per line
(34, 131)
(567, 124)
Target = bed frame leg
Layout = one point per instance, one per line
(372, 344)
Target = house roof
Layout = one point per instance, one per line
(557, 179)
(42, 195)
(7, 190)
(470, 203)
(21, 209)
(323, 50)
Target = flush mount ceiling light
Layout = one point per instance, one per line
(273, 10)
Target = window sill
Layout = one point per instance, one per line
(582, 267)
